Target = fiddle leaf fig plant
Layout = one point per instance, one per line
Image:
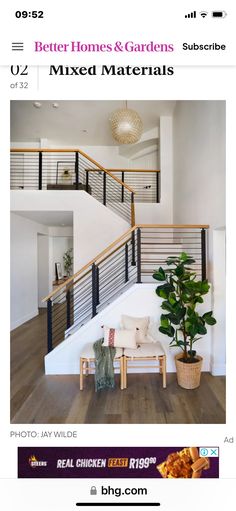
(181, 294)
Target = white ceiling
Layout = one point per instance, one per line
(64, 125)
(49, 218)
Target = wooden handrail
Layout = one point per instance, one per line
(94, 260)
(132, 214)
(41, 150)
(112, 245)
(173, 226)
(133, 170)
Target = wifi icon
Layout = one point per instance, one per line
(203, 14)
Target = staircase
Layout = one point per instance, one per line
(70, 169)
(130, 259)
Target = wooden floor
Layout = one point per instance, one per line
(39, 399)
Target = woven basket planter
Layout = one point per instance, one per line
(188, 375)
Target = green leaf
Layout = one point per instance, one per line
(172, 298)
(164, 290)
(208, 318)
(186, 259)
(183, 256)
(167, 331)
(159, 275)
(173, 319)
(187, 326)
(203, 287)
(179, 271)
(172, 260)
(167, 306)
(201, 329)
(198, 299)
(165, 321)
(193, 330)
(188, 275)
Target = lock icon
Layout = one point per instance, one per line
(93, 490)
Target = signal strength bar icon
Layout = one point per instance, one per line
(191, 15)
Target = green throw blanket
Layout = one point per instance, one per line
(104, 369)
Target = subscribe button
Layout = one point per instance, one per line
(204, 47)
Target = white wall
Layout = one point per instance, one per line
(140, 300)
(32, 272)
(161, 213)
(199, 195)
(107, 156)
(166, 166)
(94, 225)
(24, 269)
(43, 259)
(219, 303)
(199, 164)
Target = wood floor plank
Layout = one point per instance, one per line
(39, 399)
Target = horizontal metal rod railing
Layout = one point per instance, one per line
(70, 169)
(131, 259)
(103, 254)
(145, 183)
(82, 153)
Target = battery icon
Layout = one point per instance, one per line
(218, 14)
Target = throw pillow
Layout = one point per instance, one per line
(116, 338)
(139, 324)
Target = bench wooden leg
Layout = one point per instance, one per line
(162, 361)
(125, 371)
(122, 373)
(81, 373)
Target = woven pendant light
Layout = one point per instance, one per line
(126, 126)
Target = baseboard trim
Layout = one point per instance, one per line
(22, 320)
(218, 370)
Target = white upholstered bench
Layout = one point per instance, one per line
(146, 352)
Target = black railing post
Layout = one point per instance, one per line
(49, 324)
(132, 210)
(122, 187)
(97, 283)
(157, 187)
(126, 262)
(87, 181)
(68, 307)
(94, 290)
(40, 170)
(203, 253)
(133, 260)
(77, 170)
(138, 256)
(104, 189)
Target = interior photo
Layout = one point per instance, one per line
(118, 262)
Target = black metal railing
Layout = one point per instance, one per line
(160, 242)
(83, 296)
(70, 170)
(145, 183)
(132, 259)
